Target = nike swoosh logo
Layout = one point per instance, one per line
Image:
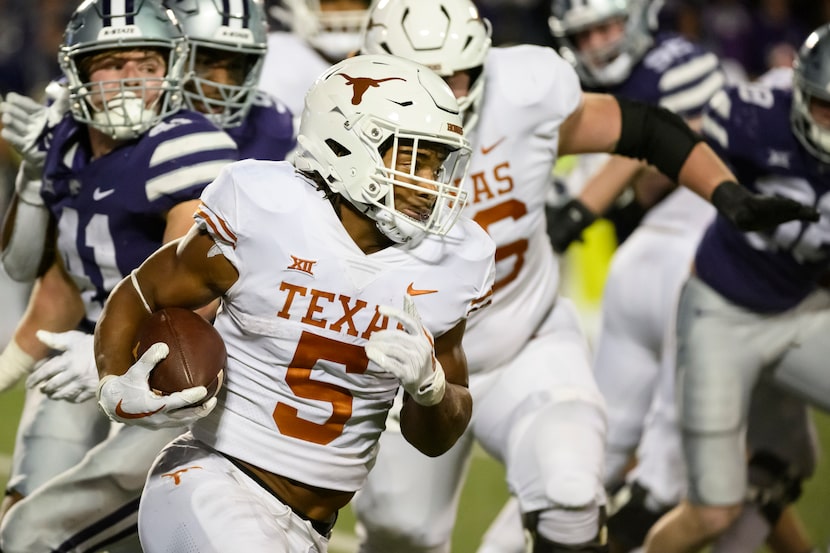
(99, 194)
(415, 292)
(125, 415)
(485, 151)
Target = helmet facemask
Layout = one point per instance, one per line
(225, 103)
(98, 37)
(228, 42)
(333, 33)
(435, 203)
(613, 63)
(123, 108)
(365, 120)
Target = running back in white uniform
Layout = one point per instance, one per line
(301, 399)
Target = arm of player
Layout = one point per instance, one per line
(433, 372)
(179, 274)
(55, 305)
(578, 213)
(604, 123)
(27, 229)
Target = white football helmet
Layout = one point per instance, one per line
(569, 17)
(363, 106)
(223, 27)
(100, 25)
(811, 79)
(445, 35)
(334, 33)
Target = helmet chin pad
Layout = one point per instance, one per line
(123, 117)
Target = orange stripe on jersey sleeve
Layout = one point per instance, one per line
(481, 302)
(219, 227)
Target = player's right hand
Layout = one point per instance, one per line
(753, 212)
(567, 223)
(129, 399)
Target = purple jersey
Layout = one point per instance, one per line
(749, 127)
(675, 74)
(111, 210)
(267, 132)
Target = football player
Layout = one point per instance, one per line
(537, 407)
(615, 48)
(228, 47)
(314, 35)
(224, 60)
(760, 289)
(121, 174)
(353, 281)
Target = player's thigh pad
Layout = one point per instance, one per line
(721, 351)
(544, 417)
(52, 437)
(803, 367)
(196, 500)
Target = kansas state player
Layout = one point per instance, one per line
(760, 289)
(121, 176)
(537, 407)
(613, 48)
(228, 46)
(315, 34)
(224, 61)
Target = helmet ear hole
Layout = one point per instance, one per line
(338, 149)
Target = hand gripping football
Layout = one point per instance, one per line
(197, 352)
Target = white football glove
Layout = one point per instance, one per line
(24, 123)
(14, 365)
(71, 375)
(129, 399)
(409, 354)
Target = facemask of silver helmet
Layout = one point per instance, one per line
(365, 105)
(811, 80)
(122, 108)
(231, 35)
(334, 33)
(445, 35)
(612, 64)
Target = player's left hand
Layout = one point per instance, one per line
(71, 375)
(409, 354)
(753, 212)
(25, 121)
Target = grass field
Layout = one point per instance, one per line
(484, 493)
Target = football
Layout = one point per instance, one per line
(197, 352)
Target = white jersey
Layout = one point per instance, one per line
(290, 68)
(529, 91)
(301, 399)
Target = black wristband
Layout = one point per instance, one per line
(729, 196)
(655, 135)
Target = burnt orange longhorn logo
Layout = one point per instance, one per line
(362, 84)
